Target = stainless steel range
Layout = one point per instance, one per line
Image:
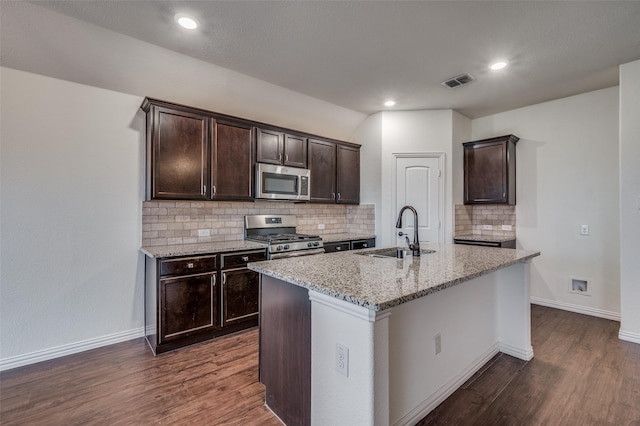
(279, 231)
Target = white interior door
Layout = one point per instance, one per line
(418, 184)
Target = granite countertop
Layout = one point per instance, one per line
(381, 283)
(332, 238)
(483, 238)
(201, 248)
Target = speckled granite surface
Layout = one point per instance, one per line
(483, 238)
(381, 283)
(332, 238)
(201, 248)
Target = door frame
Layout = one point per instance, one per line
(440, 156)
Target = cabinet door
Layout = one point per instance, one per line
(348, 177)
(270, 146)
(295, 151)
(240, 293)
(322, 163)
(487, 175)
(187, 306)
(232, 161)
(179, 159)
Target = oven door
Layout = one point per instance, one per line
(281, 183)
(273, 256)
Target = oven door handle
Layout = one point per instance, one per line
(296, 253)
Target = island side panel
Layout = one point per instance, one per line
(514, 311)
(285, 350)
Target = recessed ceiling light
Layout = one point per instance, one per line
(389, 103)
(186, 21)
(498, 65)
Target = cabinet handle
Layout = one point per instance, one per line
(279, 157)
(213, 188)
(204, 189)
(286, 158)
(365, 245)
(333, 195)
(245, 258)
(190, 265)
(224, 278)
(338, 248)
(338, 196)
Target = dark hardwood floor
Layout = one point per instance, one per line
(581, 375)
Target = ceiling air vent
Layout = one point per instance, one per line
(458, 80)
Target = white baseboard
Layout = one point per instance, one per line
(594, 312)
(71, 348)
(628, 336)
(514, 351)
(445, 391)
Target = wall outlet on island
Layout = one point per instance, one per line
(437, 339)
(342, 359)
(321, 226)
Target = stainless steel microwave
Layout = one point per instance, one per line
(282, 182)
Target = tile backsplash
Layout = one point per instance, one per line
(485, 220)
(178, 222)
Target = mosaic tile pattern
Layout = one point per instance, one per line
(381, 283)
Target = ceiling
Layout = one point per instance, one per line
(357, 54)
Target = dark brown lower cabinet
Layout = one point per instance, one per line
(240, 291)
(194, 298)
(337, 246)
(188, 305)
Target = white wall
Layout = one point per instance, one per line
(630, 201)
(461, 133)
(414, 131)
(72, 171)
(71, 185)
(567, 163)
(369, 135)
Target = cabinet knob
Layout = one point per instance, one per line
(245, 258)
(365, 245)
(190, 265)
(338, 248)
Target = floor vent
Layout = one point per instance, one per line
(459, 80)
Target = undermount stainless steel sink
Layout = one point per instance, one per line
(393, 252)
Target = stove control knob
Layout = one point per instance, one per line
(309, 244)
(316, 244)
(279, 248)
(286, 246)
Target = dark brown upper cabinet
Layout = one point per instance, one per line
(192, 155)
(177, 147)
(490, 170)
(335, 172)
(280, 148)
(232, 160)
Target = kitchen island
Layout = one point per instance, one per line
(355, 339)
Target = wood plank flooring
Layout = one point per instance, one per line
(581, 375)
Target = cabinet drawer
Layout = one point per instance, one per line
(188, 265)
(335, 247)
(240, 259)
(361, 244)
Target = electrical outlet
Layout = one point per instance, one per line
(437, 339)
(584, 230)
(204, 232)
(486, 227)
(342, 359)
(506, 227)
(321, 226)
